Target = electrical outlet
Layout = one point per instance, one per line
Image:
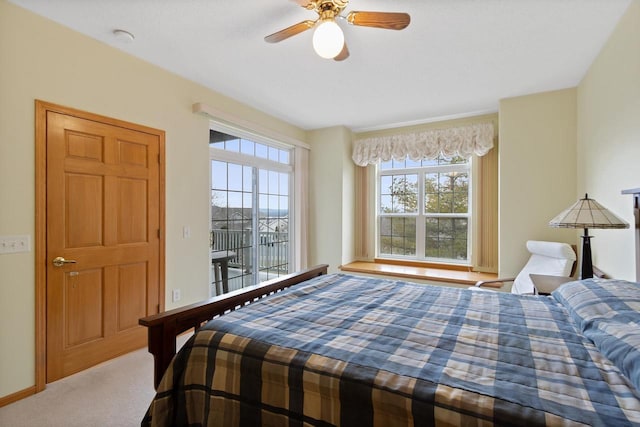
(15, 244)
(176, 295)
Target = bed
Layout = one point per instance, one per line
(346, 350)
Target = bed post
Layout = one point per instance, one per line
(162, 344)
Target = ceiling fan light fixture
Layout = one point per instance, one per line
(328, 39)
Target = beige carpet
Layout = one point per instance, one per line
(115, 393)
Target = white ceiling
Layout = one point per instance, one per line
(457, 57)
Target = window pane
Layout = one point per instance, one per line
(385, 184)
(386, 189)
(460, 199)
(447, 192)
(398, 236)
(263, 181)
(283, 206)
(273, 182)
(261, 151)
(232, 145)
(444, 193)
(284, 184)
(247, 178)
(385, 236)
(408, 196)
(446, 238)
(399, 193)
(247, 147)
(273, 206)
(431, 193)
(234, 199)
(273, 154)
(234, 177)
(385, 204)
(405, 193)
(284, 157)
(218, 175)
(385, 226)
(263, 201)
(247, 200)
(218, 200)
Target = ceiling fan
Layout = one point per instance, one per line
(328, 39)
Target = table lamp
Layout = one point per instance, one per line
(587, 213)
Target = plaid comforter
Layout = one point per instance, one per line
(354, 351)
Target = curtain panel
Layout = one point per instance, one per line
(301, 207)
(475, 139)
(485, 208)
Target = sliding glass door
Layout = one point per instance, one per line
(250, 215)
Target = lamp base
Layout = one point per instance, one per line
(587, 267)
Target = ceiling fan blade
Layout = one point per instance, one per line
(289, 31)
(344, 53)
(386, 20)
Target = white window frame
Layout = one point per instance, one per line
(420, 216)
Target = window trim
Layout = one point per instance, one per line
(421, 214)
(223, 121)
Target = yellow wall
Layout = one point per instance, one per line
(537, 172)
(43, 60)
(331, 185)
(609, 140)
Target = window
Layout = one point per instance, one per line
(439, 232)
(250, 203)
(424, 210)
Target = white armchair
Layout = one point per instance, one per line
(550, 258)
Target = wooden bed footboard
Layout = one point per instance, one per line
(165, 327)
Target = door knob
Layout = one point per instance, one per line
(60, 261)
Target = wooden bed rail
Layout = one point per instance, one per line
(165, 327)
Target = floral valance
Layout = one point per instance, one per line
(461, 141)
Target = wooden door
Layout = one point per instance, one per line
(103, 212)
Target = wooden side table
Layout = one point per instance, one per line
(546, 284)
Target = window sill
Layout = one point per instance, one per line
(422, 273)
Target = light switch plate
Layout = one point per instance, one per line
(15, 244)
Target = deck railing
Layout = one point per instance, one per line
(273, 248)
